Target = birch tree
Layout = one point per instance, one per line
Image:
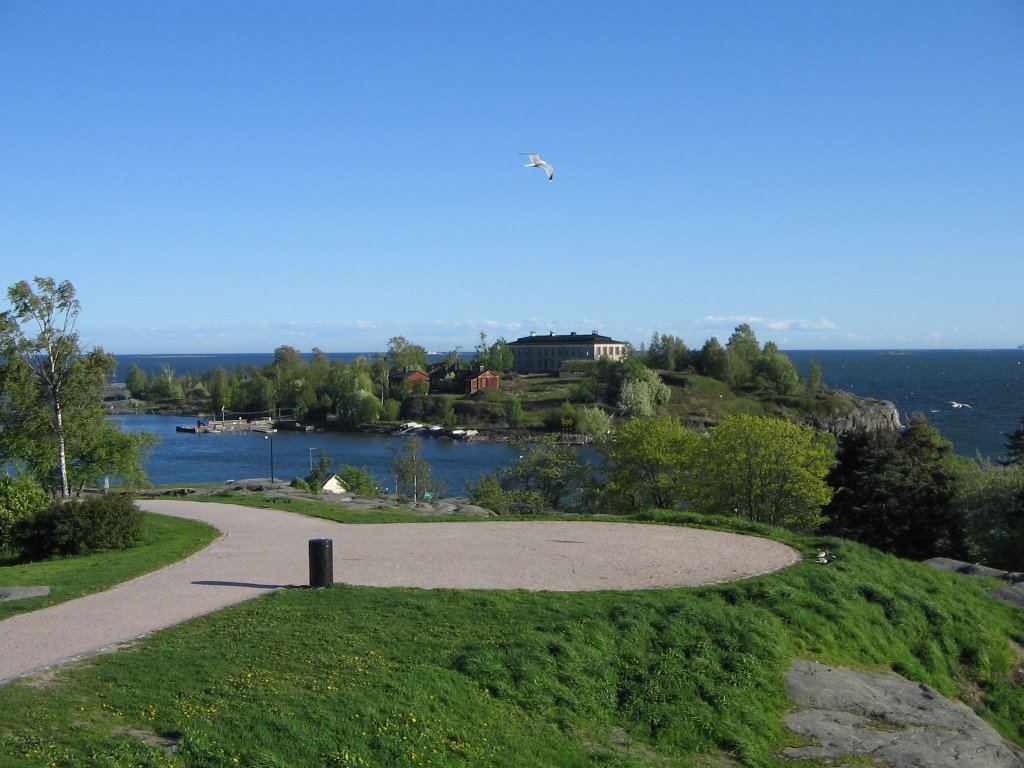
(51, 417)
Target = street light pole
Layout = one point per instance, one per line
(268, 437)
(310, 459)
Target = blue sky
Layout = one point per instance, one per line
(234, 176)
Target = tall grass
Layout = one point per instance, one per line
(400, 677)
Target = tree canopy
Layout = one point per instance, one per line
(646, 464)
(764, 469)
(52, 423)
(895, 491)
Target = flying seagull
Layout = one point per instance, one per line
(955, 404)
(536, 162)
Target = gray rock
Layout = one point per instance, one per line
(1012, 593)
(969, 569)
(889, 719)
(21, 593)
(849, 412)
(473, 510)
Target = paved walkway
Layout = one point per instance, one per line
(262, 550)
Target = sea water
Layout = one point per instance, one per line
(988, 383)
(183, 457)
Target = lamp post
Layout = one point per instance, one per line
(268, 437)
(311, 460)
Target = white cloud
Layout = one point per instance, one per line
(755, 322)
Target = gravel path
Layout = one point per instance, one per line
(262, 550)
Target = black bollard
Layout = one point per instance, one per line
(321, 563)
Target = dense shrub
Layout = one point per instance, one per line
(359, 481)
(110, 521)
(300, 484)
(20, 496)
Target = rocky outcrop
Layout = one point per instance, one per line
(849, 413)
(888, 720)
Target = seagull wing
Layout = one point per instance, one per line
(548, 169)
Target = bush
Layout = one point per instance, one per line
(111, 521)
(561, 419)
(359, 481)
(300, 484)
(20, 497)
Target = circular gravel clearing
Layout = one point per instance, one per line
(261, 550)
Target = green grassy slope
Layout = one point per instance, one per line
(395, 677)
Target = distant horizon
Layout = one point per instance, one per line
(469, 351)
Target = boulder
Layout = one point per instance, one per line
(849, 413)
(889, 720)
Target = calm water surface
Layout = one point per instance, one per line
(219, 456)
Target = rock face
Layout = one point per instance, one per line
(888, 720)
(852, 412)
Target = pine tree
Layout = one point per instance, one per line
(1014, 446)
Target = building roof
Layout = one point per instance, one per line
(566, 338)
(407, 374)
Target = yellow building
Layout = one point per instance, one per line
(545, 354)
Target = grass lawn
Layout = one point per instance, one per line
(165, 540)
(353, 676)
(321, 509)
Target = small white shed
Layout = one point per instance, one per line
(333, 484)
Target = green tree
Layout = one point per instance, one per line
(321, 470)
(814, 374)
(413, 475)
(895, 491)
(380, 375)
(355, 395)
(406, 356)
(50, 390)
(219, 392)
(647, 464)
(764, 469)
(667, 353)
(105, 450)
(359, 481)
(561, 419)
(514, 413)
(641, 390)
(482, 354)
(487, 492)
(743, 342)
(447, 412)
(712, 360)
(593, 422)
(163, 385)
(990, 498)
(548, 473)
(501, 356)
(318, 371)
(390, 410)
(1014, 446)
(774, 370)
(135, 382)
